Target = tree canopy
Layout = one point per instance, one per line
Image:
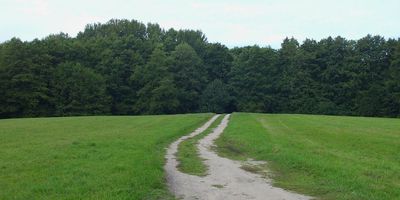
(127, 67)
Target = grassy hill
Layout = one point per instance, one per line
(116, 157)
(122, 157)
(330, 157)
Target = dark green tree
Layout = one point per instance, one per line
(79, 90)
(252, 80)
(215, 97)
(392, 85)
(144, 69)
(157, 93)
(218, 61)
(24, 70)
(189, 77)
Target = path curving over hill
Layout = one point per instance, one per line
(225, 179)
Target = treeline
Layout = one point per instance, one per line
(125, 67)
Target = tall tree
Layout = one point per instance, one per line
(218, 61)
(157, 93)
(79, 90)
(215, 98)
(144, 69)
(287, 71)
(22, 69)
(189, 77)
(373, 61)
(392, 83)
(252, 79)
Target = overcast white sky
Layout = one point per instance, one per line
(231, 22)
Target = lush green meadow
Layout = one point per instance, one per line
(325, 156)
(188, 156)
(119, 157)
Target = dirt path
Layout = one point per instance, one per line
(226, 180)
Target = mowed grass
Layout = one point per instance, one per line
(119, 157)
(328, 157)
(188, 155)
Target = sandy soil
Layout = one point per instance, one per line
(225, 179)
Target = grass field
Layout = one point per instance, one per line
(88, 157)
(324, 156)
(188, 156)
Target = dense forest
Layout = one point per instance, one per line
(125, 67)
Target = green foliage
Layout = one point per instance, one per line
(215, 97)
(218, 61)
(328, 157)
(392, 85)
(253, 79)
(158, 93)
(117, 157)
(24, 83)
(78, 90)
(148, 70)
(189, 77)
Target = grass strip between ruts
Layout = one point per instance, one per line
(188, 156)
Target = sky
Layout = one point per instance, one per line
(230, 22)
